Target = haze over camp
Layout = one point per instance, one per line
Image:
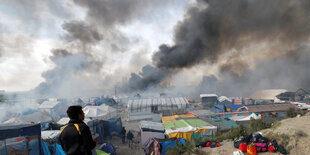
(177, 71)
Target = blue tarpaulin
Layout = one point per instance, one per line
(166, 144)
(45, 149)
(58, 150)
(107, 147)
(221, 108)
(115, 125)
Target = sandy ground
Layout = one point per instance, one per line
(300, 145)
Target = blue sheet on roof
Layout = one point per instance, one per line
(59, 150)
(221, 108)
(45, 149)
(167, 144)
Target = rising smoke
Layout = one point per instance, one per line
(249, 41)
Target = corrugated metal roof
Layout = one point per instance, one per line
(166, 103)
(269, 107)
(207, 95)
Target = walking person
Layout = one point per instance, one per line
(75, 138)
(130, 139)
(123, 134)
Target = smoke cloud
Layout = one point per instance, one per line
(241, 38)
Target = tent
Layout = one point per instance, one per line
(167, 143)
(174, 117)
(54, 108)
(229, 108)
(37, 117)
(151, 130)
(190, 128)
(63, 121)
(50, 136)
(20, 139)
(99, 112)
(115, 125)
(246, 118)
(106, 101)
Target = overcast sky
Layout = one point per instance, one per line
(29, 30)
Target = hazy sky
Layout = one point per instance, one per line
(29, 30)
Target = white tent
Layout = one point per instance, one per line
(63, 121)
(247, 118)
(99, 112)
(37, 117)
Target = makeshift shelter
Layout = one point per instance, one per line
(174, 117)
(229, 108)
(99, 112)
(20, 139)
(144, 109)
(246, 118)
(63, 121)
(54, 108)
(208, 100)
(223, 100)
(190, 128)
(167, 143)
(106, 101)
(151, 130)
(115, 125)
(37, 117)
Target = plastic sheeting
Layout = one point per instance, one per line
(99, 112)
(173, 118)
(165, 145)
(45, 149)
(154, 126)
(184, 128)
(37, 117)
(59, 150)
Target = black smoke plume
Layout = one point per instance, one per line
(228, 34)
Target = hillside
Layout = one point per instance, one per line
(293, 133)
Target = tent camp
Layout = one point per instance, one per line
(37, 117)
(20, 139)
(99, 112)
(151, 130)
(190, 128)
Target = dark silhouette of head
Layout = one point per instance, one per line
(75, 112)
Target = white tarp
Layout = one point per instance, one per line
(99, 112)
(247, 118)
(37, 117)
(63, 121)
(190, 128)
(50, 134)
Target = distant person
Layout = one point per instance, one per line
(123, 134)
(75, 138)
(130, 139)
